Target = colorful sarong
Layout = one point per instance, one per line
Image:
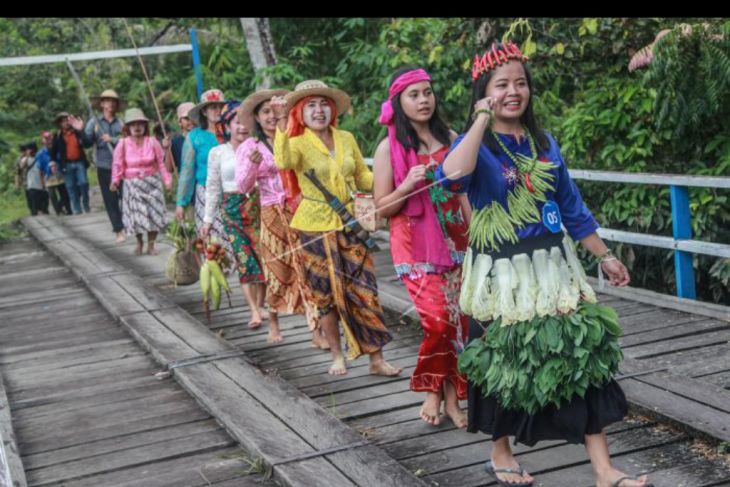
(339, 269)
(286, 285)
(241, 217)
(143, 205)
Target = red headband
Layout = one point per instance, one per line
(496, 57)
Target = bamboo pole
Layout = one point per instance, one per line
(152, 94)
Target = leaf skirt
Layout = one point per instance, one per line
(539, 373)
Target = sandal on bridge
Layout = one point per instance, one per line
(490, 468)
(628, 477)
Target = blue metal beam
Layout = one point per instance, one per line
(196, 62)
(682, 229)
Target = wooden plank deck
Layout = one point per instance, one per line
(691, 392)
(86, 407)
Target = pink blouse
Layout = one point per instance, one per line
(265, 173)
(132, 161)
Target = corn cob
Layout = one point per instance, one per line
(217, 274)
(215, 293)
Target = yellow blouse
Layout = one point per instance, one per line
(342, 174)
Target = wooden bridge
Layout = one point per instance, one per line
(112, 377)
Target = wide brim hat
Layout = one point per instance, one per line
(249, 104)
(59, 116)
(112, 95)
(183, 109)
(315, 87)
(210, 97)
(134, 115)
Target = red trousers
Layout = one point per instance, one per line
(436, 298)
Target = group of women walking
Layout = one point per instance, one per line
(477, 224)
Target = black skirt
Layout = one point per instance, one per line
(571, 422)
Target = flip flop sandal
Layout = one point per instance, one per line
(628, 477)
(490, 469)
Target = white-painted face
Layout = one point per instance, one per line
(136, 129)
(213, 112)
(266, 117)
(317, 113)
(239, 132)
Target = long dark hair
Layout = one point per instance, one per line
(258, 129)
(404, 131)
(479, 88)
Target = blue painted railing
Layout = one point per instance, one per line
(681, 241)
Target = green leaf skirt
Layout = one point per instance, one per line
(570, 419)
(547, 360)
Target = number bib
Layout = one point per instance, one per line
(551, 216)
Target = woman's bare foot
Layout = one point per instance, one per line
(274, 332)
(338, 366)
(138, 249)
(120, 237)
(319, 340)
(254, 323)
(151, 249)
(456, 415)
(381, 367)
(274, 336)
(607, 478)
(431, 409)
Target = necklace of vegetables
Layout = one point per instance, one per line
(494, 224)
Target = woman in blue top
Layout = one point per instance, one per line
(194, 171)
(541, 352)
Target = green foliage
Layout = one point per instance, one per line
(691, 72)
(672, 118)
(545, 361)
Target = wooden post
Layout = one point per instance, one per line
(682, 230)
(196, 61)
(260, 46)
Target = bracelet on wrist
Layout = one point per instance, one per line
(606, 256)
(482, 110)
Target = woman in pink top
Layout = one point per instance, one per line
(140, 161)
(286, 290)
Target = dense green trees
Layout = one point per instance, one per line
(672, 117)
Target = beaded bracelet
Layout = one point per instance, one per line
(606, 256)
(482, 110)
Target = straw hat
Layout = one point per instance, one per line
(59, 116)
(249, 104)
(110, 94)
(315, 87)
(183, 109)
(134, 115)
(210, 97)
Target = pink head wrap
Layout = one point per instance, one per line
(419, 206)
